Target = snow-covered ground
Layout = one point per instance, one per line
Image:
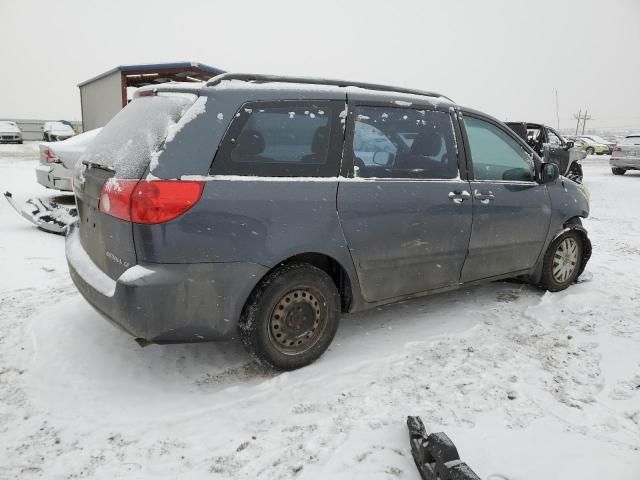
(529, 385)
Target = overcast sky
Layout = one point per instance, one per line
(505, 57)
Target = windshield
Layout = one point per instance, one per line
(127, 142)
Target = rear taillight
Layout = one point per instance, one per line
(149, 202)
(617, 149)
(115, 198)
(51, 157)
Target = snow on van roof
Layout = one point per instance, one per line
(406, 98)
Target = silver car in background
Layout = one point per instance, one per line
(626, 155)
(56, 131)
(10, 132)
(58, 159)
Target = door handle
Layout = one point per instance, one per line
(484, 197)
(458, 196)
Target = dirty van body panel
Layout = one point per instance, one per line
(405, 236)
(167, 303)
(509, 232)
(248, 220)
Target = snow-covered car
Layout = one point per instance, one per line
(56, 131)
(626, 155)
(10, 132)
(58, 159)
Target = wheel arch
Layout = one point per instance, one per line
(330, 266)
(571, 224)
(575, 224)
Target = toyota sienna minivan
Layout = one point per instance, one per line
(262, 208)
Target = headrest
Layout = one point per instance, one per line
(320, 140)
(250, 142)
(427, 143)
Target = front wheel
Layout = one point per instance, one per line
(618, 171)
(291, 317)
(590, 151)
(562, 262)
(575, 172)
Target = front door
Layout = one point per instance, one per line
(406, 214)
(511, 211)
(558, 151)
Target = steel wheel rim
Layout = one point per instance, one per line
(297, 321)
(565, 260)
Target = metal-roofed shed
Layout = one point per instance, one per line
(104, 95)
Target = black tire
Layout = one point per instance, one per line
(575, 172)
(618, 171)
(559, 255)
(291, 317)
(590, 151)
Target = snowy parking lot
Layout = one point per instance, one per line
(528, 384)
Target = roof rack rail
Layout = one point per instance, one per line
(261, 78)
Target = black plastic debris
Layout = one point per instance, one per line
(435, 454)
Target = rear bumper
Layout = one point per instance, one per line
(166, 303)
(54, 176)
(625, 162)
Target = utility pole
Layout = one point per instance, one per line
(584, 120)
(557, 111)
(579, 117)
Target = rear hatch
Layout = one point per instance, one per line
(121, 152)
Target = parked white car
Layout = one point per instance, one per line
(58, 159)
(10, 132)
(626, 155)
(56, 131)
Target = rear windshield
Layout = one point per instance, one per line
(128, 142)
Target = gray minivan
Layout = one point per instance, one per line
(262, 207)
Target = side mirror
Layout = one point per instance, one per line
(549, 173)
(569, 145)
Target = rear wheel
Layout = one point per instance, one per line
(562, 262)
(618, 171)
(590, 151)
(291, 317)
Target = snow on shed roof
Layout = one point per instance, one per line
(155, 66)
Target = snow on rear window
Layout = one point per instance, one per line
(126, 144)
